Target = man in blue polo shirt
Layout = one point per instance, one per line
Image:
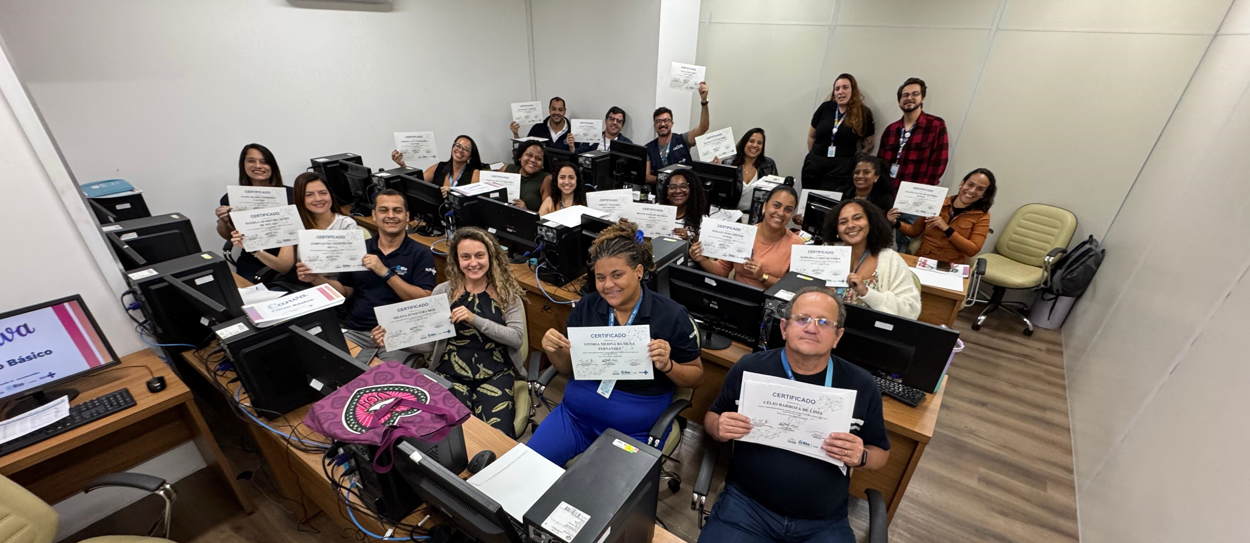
(668, 148)
(776, 495)
(400, 269)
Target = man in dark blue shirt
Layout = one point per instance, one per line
(777, 495)
(668, 148)
(554, 129)
(613, 124)
(399, 269)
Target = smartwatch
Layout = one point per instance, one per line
(950, 231)
(863, 460)
(390, 272)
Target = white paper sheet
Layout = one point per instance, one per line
(611, 352)
(837, 196)
(511, 181)
(728, 215)
(920, 200)
(612, 202)
(416, 322)
(268, 228)
(829, 262)
(248, 198)
(587, 131)
(332, 251)
(717, 144)
(724, 240)
(653, 219)
(572, 216)
(794, 416)
(473, 189)
(527, 112)
(687, 76)
(946, 280)
(416, 146)
(293, 305)
(258, 293)
(34, 419)
(517, 479)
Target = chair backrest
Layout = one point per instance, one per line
(1033, 231)
(24, 518)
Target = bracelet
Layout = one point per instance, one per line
(703, 103)
(670, 367)
(950, 231)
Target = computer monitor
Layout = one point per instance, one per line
(469, 509)
(723, 184)
(629, 163)
(45, 345)
(725, 309)
(516, 228)
(114, 208)
(184, 297)
(425, 202)
(553, 156)
(150, 240)
(818, 206)
(326, 368)
(914, 352)
(360, 181)
(331, 169)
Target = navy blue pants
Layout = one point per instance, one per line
(574, 424)
(736, 518)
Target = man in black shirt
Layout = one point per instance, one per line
(776, 495)
(555, 128)
(400, 269)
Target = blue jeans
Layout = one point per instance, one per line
(736, 518)
(901, 239)
(583, 414)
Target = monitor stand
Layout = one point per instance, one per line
(429, 228)
(713, 341)
(39, 399)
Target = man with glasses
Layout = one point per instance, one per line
(613, 124)
(914, 148)
(775, 495)
(668, 148)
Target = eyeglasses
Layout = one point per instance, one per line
(803, 320)
(663, 121)
(911, 94)
(614, 120)
(461, 148)
(679, 187)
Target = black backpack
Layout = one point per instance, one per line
(1075, 270)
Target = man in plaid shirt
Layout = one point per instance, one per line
(915, 147)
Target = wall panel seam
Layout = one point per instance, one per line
(824, 58)
(976, 85)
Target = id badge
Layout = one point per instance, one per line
(832, 151)
(606, 386)
(894, 170)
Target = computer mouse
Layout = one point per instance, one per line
(156, 384)
(481, 460)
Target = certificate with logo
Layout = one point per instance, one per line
(416, 322)
(611, 352)
(794, 416)
(268, 228)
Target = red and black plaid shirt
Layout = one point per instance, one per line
(924, 156)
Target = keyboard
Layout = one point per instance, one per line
(79, 415)
(910, 397)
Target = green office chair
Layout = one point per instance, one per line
(24, 518)
(1036, 236)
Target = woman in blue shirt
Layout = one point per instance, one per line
(619, 258)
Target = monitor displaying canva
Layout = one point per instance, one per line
(48, 343)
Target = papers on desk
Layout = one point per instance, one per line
(653, 219)
(268, 228)
(416, 322)
(837, 197)
(474, 189)
(572, 216)
(724, 240)
(829, 262)
(794, 416)
(332, 251)
(687, 76)
(34, 419)
(611, 352)
(244, 198)
(517, 479)
(258, 293)
(527, 112)
(416, 146)
(718, 144)
(292, 305)
(587, 131)
(920, 200)
(510, 181)
(612, 202)
(947, 280)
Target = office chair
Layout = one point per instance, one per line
(878, 522)
(1036, 236)
(24, 518)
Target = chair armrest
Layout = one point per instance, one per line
(132, 480)
(1051, 257)
(974, 285)
(665, 421)
(703, 482)
(547, 376)
(878, 524)
(536, 360)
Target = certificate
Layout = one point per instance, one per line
(718, 144)
(415, 322)
(613, 202)
(687, 76)
(837, 197)
(527, 112)
(829, 262)
(248, 198)
(587, 131)
(611, 352)
(510, 181)
(268, 228)
(653, 219)
(794, 416)
(416, 146)
(724, 240)
(332, 251)
(920, 200)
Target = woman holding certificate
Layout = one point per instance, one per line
(771, 254)
(751, 163)
(316, 207)
(257, 168)
(489, 316)
(684, 190)
(451, 173)
(618, 258)
(959, 231)
(879, 278)
(571, 190)
(535, 182)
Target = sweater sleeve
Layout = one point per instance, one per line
(915, 229)
(972, 244)
(898, 294)
(512, 332)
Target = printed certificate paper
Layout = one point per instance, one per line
(613, 202)
(653, 219)
(829, 262)
(416, 146)
(268, 228)
(332, 251)
(415, 322)
(718, 144)
(511, 181)
(724, 240)
(794, 416)
(920, 200)
(611, 352)
(248, 198)
(589, 131)
(527, 112)
(687, 76)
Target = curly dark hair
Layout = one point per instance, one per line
(524, 146)
(987, 199)
(697, 205)
(880, 233)
(621, 239)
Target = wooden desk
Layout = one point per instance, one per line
(300, 476)
(938, 305)
(62, 466)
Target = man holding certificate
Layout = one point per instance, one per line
(775, 494)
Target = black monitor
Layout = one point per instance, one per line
(629, 163)
(914, 352)
(331, 169)
(425, 202)
(46, 345)
(326, 368)
(114, 208)
(360, 182)
(730, 309)
(469, 509)
(723, 184)
(553, 156)
(150, 240)
(516, 228)
(818, 206)
(184, 297)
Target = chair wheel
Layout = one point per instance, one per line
(1028, 331)
(674, 485)
(976, 326)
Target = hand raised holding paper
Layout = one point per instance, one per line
(731, 425)
(660, 352)
(844, 446)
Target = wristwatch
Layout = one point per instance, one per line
(950, 231)
(390, 272)
(863, 460)
(703, 103)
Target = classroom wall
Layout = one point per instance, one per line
(1154, 351)
(1062, 100)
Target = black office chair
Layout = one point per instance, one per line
(878, 523)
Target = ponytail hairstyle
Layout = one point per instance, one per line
(622, 239)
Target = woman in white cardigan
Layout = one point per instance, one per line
(879, 278)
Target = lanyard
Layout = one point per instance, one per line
(838, 117)
(904, 136)
(607, 142)
(632, 316)
(664, 152)
(455, 181)
(857, 265)
(828, 369)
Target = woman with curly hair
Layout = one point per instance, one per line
(842, 129)
(879, 278)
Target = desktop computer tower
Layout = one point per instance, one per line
(391, 178)
(114, 208)
(775, 298)
(174, 318)
(145, 241)
(465, 209)
(596, 169)
(563, 258)
(328, 168)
